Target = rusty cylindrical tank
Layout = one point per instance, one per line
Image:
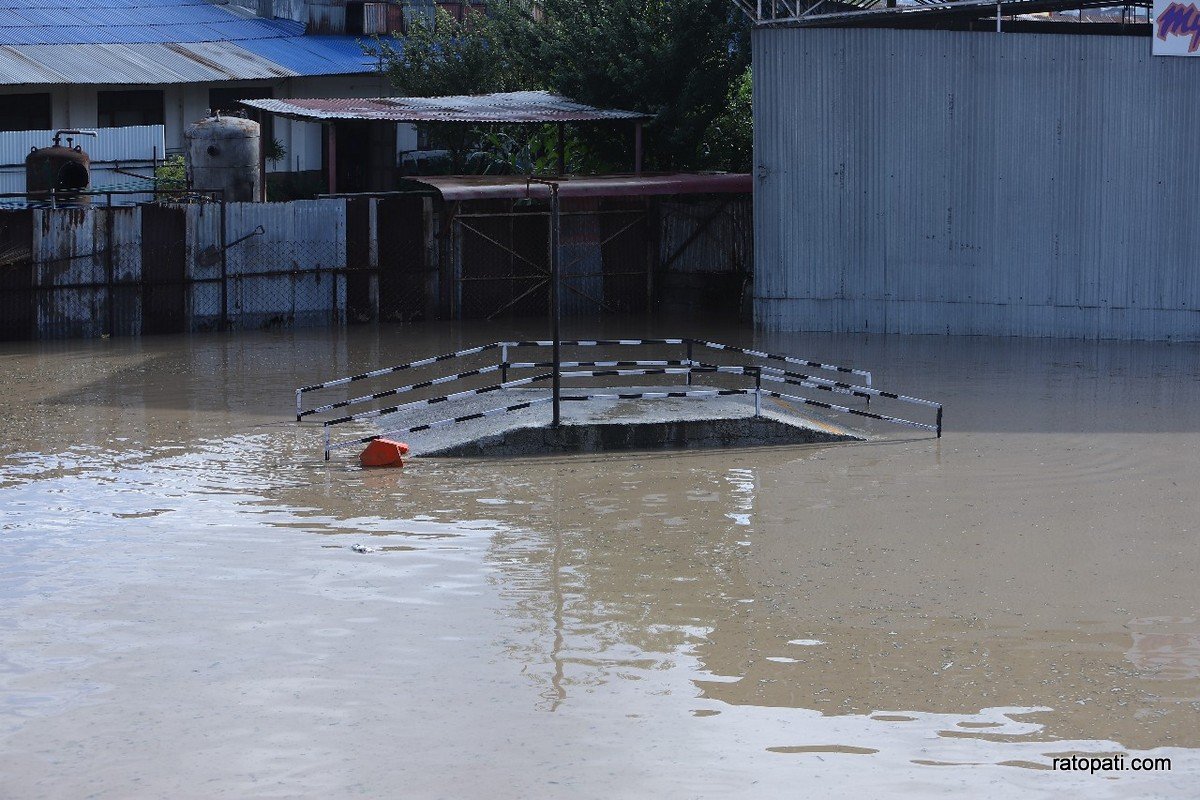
(223, 152)
(63, 169)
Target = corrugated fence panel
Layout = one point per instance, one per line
(284, 275)
(68, 250)
(967, 182)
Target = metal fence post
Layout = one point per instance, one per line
(758, 393)
(690, 363)
(224, 324)
(504, 363)
(299, 405)
(556, 305)
(109, 265)
(939, 422)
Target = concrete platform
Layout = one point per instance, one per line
(598, 425)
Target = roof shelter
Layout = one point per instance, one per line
(533, 107)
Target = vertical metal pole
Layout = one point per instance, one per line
(224, 321)
(637, 147)
(326, 443)
(331, 146)
(299, 405)
(562, 154)
(109, 266)
(689, 362)
(939, 422)
(504, 363)
(555, 305)
(758, 393)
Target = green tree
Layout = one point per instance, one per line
(674, 59)
(446, 57)
(729, 143)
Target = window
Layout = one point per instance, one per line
(25, 112)
(138, 107)
(354, 19)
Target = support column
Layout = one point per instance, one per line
(637, 146)
(331, 156)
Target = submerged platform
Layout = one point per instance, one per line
(603, 424)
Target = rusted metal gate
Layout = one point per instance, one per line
(16, 274)
(407, 276)
(500, 259)
(164, 252)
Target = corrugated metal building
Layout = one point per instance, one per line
(973, 182)
(115, 63)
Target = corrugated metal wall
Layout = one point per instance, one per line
(132, 147)
(975, 183)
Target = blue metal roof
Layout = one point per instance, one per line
(31, 30)
(313, 55)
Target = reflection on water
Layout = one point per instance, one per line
(184, 615)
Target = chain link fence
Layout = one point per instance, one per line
(115, 270)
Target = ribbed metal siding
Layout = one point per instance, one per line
(131, 143)
(974, 183)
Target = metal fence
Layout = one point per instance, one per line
(502, 366)
(131, 263)
(504, 262)
(194, 263)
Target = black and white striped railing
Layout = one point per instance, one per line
(803, 362)
(441, 423)
(379, 373)
(382, 412)
(858, 412)
(687, 366)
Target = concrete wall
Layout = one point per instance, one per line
(975, 183)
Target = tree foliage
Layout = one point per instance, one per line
(729, 143)
(675, 59)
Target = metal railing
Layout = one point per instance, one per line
(687, 366)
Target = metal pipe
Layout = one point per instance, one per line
(109, 266)
(331, 164)
(555, 303)
(758, 393)
(561, 150)
(504, 363)
(637, 147)
(690, 363)
(224, 320)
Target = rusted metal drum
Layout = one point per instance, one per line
(64, 170)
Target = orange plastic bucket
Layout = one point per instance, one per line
(383, 453)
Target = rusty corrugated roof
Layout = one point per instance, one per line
(504, 107)
(488, 187)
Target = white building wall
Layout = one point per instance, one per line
(75, 107)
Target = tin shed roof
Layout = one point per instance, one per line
(504, 107)
(159, 42)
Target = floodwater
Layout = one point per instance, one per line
(183, 617)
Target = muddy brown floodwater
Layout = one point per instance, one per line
(181, 615)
